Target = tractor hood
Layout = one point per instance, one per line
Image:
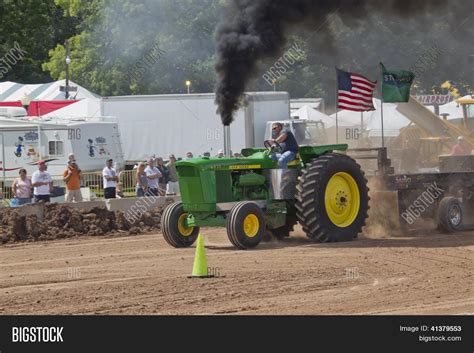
(257, 160)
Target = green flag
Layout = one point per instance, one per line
(396, 85)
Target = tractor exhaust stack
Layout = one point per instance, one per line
(227, 148)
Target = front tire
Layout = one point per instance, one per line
(450, 215)
(332, 198)
(245, 225)
(173, 228)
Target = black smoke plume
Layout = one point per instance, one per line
(254, 30)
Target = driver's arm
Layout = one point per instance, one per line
(281, 138)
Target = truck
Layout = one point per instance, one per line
(178, 123)
(441, 198)
(26, 140)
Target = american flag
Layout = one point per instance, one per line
(354, 92)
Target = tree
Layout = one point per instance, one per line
(34, 27)
(110, 54)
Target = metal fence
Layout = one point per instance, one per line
(92, 180)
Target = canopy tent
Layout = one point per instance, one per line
(48, 101)
(393, 120)
(453, 109)
(13, 91)
(309, 113)
(89, 107)
(350, 118)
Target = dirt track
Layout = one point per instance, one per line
(420, 274)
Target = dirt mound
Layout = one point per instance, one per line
(62, 221)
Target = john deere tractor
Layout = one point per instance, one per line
(326, 192)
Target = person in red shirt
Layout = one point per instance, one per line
(462, 148)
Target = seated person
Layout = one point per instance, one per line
(287, 141)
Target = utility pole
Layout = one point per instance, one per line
(68, 61)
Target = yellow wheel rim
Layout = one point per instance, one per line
(251, 225)
(342, 199)
(185, 231)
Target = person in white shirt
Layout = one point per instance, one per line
(42, 183)
(110, 179)
(153, 174)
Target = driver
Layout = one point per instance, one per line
(287, 141)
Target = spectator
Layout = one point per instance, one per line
(110, 180)
(220, 154)
(22, 188)
(141, 180)
(42, 183)
(206, 154)
(153, 175)
(163, 181)
(72, 178)
(189, 155)
(119, 191)
(172, 188)
(462, 148)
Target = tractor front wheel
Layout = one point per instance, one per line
(245, 225)
(332, 198)
(174, 228)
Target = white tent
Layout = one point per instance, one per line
(309, 113)
(350, 118)
(89, 107)
(453, 109)
(393, 120)
(13, 91)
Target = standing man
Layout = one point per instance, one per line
(42, 183)
(153, 174)
(72, 178)
(110, 179)
(163, 181)
(462, 148)
(173, 186)
(287, 141)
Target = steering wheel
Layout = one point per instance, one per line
(269, 145)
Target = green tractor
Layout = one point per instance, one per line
(325, 192)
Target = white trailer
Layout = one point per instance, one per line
(26, 140)
(164, 124)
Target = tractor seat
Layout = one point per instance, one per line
(295, 162)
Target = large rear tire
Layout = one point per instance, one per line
(245, 225)
(450, 215)
(332, 198)
(173, 228)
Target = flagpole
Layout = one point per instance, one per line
(381, 108)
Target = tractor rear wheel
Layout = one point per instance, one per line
(449, 215)
(245, 225)
(174, 229)
(332, 198)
